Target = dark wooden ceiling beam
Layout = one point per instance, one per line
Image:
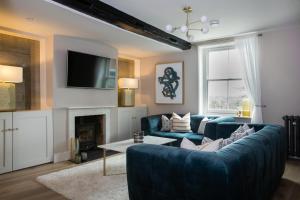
(107, 13)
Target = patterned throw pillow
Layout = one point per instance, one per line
(241, 132)
(227, 141)
(211, 146)
(206, 140)
(181, 124)
(166, 123)
(250, 131)
(242, 129)
(208, 147)
(187, 144)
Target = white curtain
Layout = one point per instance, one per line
(249, 49)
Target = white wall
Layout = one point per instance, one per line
(280, 77)
(191, 103)
(74, 97)
(281, 73)
(68, 97)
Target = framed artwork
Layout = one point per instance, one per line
(169, 83)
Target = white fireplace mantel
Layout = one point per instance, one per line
(88, 111)
(90, 107)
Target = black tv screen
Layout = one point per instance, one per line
(90, 71)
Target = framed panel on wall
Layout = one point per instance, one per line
(169, 81)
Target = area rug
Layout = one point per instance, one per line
(87, 181)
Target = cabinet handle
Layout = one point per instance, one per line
(9, 129)
(6, 130)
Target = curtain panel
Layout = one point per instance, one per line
(249, 48)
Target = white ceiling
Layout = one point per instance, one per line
(236, 16)
(51, 19)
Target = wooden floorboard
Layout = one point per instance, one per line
(22, 184)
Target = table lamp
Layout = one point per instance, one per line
(127, 88)
(9, 75)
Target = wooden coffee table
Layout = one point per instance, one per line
(122, 146)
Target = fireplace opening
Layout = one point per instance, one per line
(89, 131)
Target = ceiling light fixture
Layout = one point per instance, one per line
(187, 27)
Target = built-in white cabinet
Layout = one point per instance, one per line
(32, 138)
(129, 121)
(5, 142)
(26, 139)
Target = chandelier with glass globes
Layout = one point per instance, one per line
(205, 23)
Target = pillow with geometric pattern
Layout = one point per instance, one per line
(166, 123)
(209, 146)
(241, 132)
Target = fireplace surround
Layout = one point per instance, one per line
(89, 133)
(91, 125)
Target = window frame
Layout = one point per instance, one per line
(206, 80)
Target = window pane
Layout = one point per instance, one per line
(217, 95)
(236, 94)
(235, 64)
(218, 64)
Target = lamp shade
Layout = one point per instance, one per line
(11, 74)
(129, 83)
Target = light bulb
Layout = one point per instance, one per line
(169, 28)
(204, 19)
(205, 30)
(183, 28)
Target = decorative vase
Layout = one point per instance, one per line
(138, 137)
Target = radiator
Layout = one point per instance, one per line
(292, 127)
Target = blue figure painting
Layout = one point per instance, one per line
(170, 82)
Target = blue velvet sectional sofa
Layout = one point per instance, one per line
(151, 125)
(248, 169)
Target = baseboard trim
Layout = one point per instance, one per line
(62, 156)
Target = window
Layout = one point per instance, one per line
(223, 84)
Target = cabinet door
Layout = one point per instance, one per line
(124, 123)
(32, 138)
(5, 142)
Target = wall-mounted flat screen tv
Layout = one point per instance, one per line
(90, 71)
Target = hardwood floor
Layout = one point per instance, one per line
(21, 185)
(289, 188)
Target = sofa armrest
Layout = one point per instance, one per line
(151, 123)
(170, 173)
(211, 127)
